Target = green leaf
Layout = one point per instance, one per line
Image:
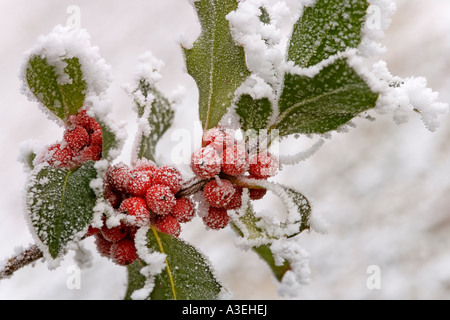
(62, 94)
(253, 114)
(60, 203)
(187, 276)
(215, 62)
(109, 139)
(323, 103)
(160, 118)
(265, 254)
(264, 17)
(326, 28)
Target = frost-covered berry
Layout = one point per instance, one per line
(76, 138)
(114, 234)
(82, 119)
(160, 199)
(263, 166)
(113, 197)
(256, 194)
(124, 252)
(234, 160)
(144, 164)
(206, 162)
(117, 176)
(139, 182)
(183, 210)
(61, 157)
(93, 153)
(218, 138)
(137, 211)
(168, 176)
(168, 224)
(96, 138)
(236, 199)
(92, 231)
(217, 218)
(103, 245)
(218, 193)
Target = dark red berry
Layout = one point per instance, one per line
(124, 252)
(61, 157)
(76, 138)
(139, 182)
(117, 176)
(168, 224)
(236, 199)
(103, 245)
(263, 166)
(234, 160)
(114, 234)
(93, 153)
(256, 194)
(96, 138)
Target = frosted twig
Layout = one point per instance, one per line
(302, 155)
(27, 256)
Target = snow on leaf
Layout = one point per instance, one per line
(324, 102)
(187, 274)
(215, 62)
(253, 113)
(326, 28)
(60, 206)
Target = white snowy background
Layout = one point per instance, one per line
(382, 188)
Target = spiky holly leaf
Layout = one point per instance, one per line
(215, 62)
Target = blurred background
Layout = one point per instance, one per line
(383, 189)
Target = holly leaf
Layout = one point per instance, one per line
(159, 114)
(326, 28)
(253, 114)
(186, 276)
(62, 94)
(323, 103)
(215, 62)
(60, 205)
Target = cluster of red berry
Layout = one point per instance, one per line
(219, 159)
(146, 195)
(82, 141)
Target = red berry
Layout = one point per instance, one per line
(218, 194)
(114, 234)
(113, 197)
(236, 199)
(183, 210)
(160, 199)
(168, 224)
(93, 153)
(263, 166)
(103, 245)
(82, 119)
(145, 164)
(140, 181)
(117, 176)
(218, 138)
(61, 157)
(205, 162)
(132, 232)
(234, 160)
(168, 176)
(92, 231)
(96, 138)
(124, 252)
(76, 138)
(217, 218)
(137, 209)
(256, 194)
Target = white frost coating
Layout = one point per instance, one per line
(261, 41)
(299, 275)
(302, 155)
(406, 97)
(156, 262)
(65, 43)
(377, 22)
(26, 149)
(318, 224)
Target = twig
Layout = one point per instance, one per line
(30, 255)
